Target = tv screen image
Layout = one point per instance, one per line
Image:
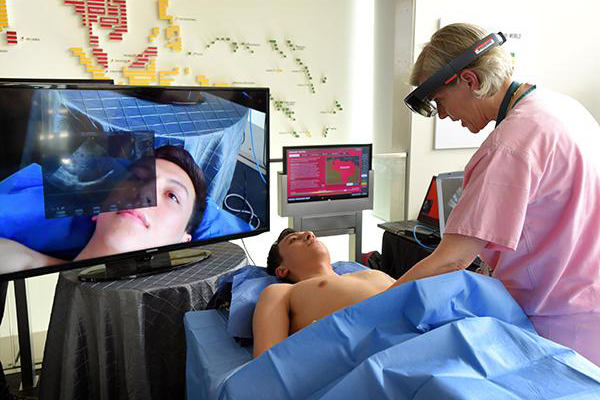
(317, 173)
(92, 174)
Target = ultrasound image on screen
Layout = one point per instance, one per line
(80, 182)
(88, 173)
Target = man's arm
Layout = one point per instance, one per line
(455, 252)
(271, 322)
(16, 257)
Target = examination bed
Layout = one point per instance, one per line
(453, 336)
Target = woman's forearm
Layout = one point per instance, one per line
(455, 252)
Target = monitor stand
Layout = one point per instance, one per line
(147, 264)
(334, 224)
(326, 218)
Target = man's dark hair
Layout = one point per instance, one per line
(274, 258)
(180, 157)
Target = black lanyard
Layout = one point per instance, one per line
(504, 105)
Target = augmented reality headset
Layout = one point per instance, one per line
(419, 100)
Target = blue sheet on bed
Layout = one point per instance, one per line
(211, 354)
(453, 336)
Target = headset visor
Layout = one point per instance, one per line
(425, 107)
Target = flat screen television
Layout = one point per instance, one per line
(330, 172)
(119, 175)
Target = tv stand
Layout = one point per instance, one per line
(148, 263)
(28, 377)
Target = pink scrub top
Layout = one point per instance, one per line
(532, 191)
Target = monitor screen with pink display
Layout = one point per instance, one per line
(317, 173)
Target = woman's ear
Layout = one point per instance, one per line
(186, 238)
(282, 272)
(470, 78)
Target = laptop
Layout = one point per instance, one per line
(442, 196)
(428, 215)
(449, 187)
(440, 199)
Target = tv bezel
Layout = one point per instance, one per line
(144, 254)
(285, 150)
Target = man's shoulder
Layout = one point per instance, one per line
(276, 290)
(21, 257)
(279, 286)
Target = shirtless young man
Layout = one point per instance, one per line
(314, 289)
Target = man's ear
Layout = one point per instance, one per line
(281, 272)
(94, 217)
(470, 78)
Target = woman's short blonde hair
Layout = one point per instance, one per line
(492, 68)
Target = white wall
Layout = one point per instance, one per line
(384, 41)
(565, 54)
(568, 49)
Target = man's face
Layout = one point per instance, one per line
(300, 250)
(129, 230)
(458, 102)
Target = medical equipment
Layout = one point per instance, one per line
(74, 151)
(419, 100)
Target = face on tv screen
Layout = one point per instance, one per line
(327, 173)
(88, 173)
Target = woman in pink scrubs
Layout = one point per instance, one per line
(531, 201)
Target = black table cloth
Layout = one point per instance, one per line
(125, 339)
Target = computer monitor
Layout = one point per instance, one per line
(326, 179)
(449, 189)
(319, 173)
(102, 174)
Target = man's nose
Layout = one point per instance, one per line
(442, 113)
(309, 235)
